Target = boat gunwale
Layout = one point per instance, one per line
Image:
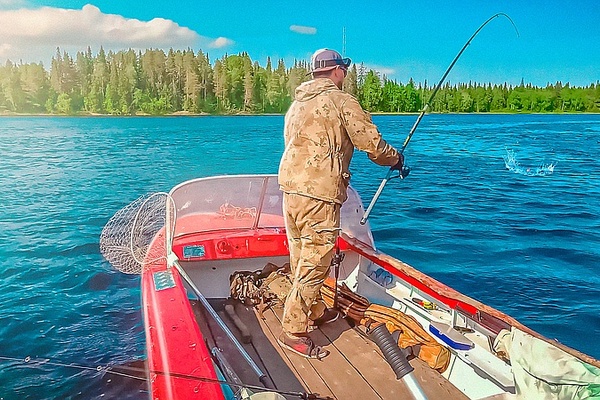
(451, 297)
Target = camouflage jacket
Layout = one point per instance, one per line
(322, 128)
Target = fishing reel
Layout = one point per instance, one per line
(402, 173)
(405, 171)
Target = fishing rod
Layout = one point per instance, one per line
(406, 170)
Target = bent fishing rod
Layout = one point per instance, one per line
(406, 170)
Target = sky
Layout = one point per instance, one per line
(556, 41)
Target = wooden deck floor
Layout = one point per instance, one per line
(354, 369)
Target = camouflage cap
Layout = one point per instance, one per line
(326, 59)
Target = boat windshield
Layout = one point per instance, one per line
(228, 202)
(247, 202)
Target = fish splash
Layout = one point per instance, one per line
(510, 160)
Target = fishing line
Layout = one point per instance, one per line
(40, 362)
(405, 170)
(439, 84)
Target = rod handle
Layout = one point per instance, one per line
(363, 220)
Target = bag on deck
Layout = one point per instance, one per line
(244, 286)
(410, 333)
(268, 286)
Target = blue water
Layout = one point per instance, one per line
(527, 245)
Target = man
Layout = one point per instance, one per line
(322, 128)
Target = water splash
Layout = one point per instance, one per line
(510, 160)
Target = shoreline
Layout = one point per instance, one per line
(245, 114)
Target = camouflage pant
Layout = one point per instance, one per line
(312, 228)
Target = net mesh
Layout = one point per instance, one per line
(134, 237)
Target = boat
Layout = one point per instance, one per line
(187, 245)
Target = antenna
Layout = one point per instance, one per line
(344, 41)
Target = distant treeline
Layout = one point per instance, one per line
(156, 83)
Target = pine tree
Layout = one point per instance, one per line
(36, 86)
(248, 85)
(153, 82)
(14, 94)
(351, 81)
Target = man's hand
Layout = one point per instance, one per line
(402, 169)
(398, 166)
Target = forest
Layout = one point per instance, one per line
(155, 82)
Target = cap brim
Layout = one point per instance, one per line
(324, 69)
(346, 62)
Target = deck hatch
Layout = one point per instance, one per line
(193, 251)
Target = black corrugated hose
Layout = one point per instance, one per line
(394, 355)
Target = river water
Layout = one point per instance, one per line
(526, 244)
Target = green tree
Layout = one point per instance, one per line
(234, 76)
(260, 88)
(154, 82)
(351, 81)
(36, 86)
(64, 104)
(392, 97)
(275, 84)
(412, 102)
(221, 86)
(14, 95)
(191, 95)
(371, 92)
(248, 85)
(84, 66)
(282, 99)
(94, 98)
(296, 75)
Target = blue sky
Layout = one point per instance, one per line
(559, 40)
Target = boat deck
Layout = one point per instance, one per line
(354, 369)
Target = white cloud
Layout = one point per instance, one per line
(383, 70)
(11, 3)
(304, 30)
(220, 42)
(32, 34)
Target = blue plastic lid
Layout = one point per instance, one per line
(450, 336)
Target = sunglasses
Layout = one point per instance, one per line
(341, 62)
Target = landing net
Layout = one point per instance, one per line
(137, 235)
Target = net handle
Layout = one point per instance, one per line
(168, 231)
